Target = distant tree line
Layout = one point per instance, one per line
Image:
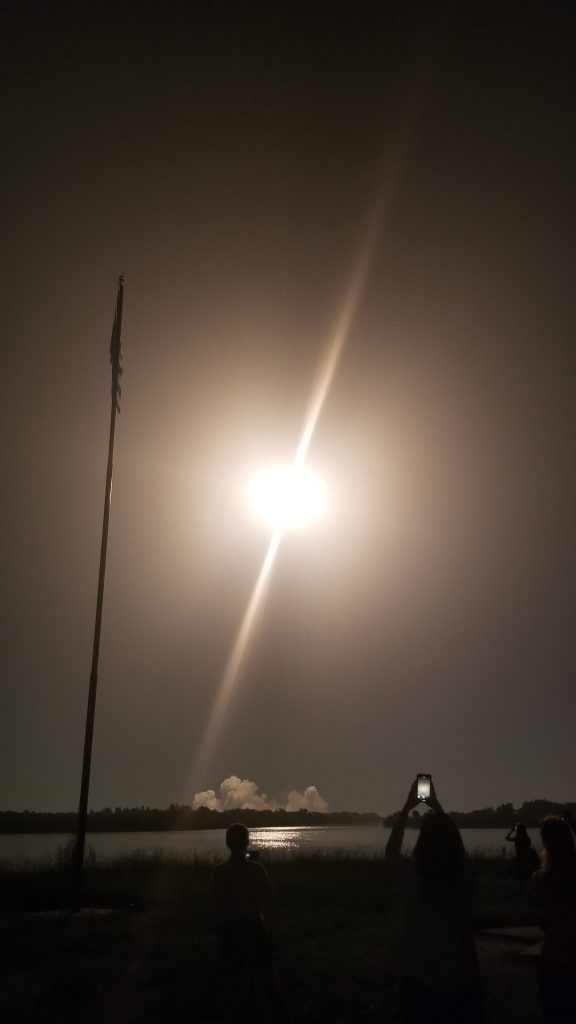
(179, 817)
(505, 816)
(176, 817)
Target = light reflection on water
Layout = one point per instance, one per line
(364, 840)
(325, 839)
(286, 839)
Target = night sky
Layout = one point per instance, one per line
(233, 158)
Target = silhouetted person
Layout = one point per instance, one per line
(242, 894)
(527, 860)
(441, 982)
(554, 887)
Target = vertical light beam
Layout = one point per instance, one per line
(319, 394)
(237, 654)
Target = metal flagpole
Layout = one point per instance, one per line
(116, 361)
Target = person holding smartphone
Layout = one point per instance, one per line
(441, 979)
(527, 860)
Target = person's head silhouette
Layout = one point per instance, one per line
(558, 843)
(522, 837)
(237, 840)
(439, 852)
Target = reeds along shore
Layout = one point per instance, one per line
(336, 927)
(170, 883)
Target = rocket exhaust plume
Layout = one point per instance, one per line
(329, 364)
(244, 794)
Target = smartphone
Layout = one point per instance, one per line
(423, 786)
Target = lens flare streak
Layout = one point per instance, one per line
(319, 394)
(339, 338)
(237, 655)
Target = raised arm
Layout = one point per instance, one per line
(433, 801)
(394, 844)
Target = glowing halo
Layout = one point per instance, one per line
(279, 520)
(287, 497)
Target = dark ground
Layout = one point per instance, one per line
(337, 932)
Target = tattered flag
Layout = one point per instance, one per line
(116, 345)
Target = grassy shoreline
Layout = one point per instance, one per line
(337, 930)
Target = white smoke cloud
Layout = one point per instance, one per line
(206, 798)
(243, 794)
(235, 794)
(309, 800)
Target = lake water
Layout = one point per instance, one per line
(358, 839)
